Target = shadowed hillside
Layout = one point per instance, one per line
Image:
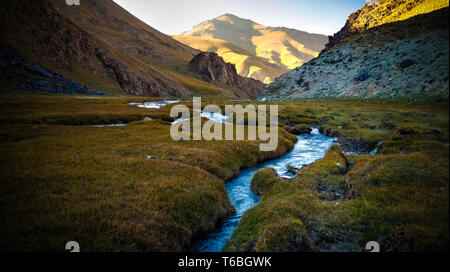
(100, 45)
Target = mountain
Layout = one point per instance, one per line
(258, 51)
(101, 46)
(247, 64)
(406, 58)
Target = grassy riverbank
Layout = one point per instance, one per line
(398, 197)
(62, 179)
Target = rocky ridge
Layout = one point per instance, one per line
(402, 59)
(378, 12)
(213, 68)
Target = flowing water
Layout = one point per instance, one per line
(154, 104)
(308, 149)
(110, 125)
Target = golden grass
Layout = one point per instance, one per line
(384, 13)
(62, 179)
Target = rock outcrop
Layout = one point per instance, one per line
(403, 59)
(212, 68)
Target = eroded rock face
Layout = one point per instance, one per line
(212, 68)
(154, 85)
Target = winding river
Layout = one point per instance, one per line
(308, 149)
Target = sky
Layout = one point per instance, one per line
(175, 16)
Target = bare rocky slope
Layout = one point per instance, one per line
(52, 33)
(406, 58)
(101, 47)
(258, 51)
(213, 68)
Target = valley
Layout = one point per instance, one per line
(62, 178)
(87, 124)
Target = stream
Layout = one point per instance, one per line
(308, 149)
(154, 104)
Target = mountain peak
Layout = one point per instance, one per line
(226, 18)
(229, 15)
(231, 18)
(258, 51)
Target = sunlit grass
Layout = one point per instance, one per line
(384, 13)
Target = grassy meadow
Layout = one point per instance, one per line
(397, 197)
(63, 179)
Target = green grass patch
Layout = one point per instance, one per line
(398, 197)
